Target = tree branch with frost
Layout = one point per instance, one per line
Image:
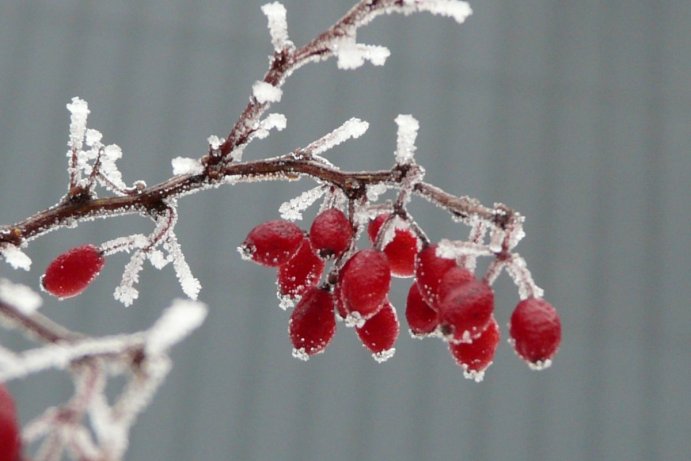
(90, 428)
(143, 356)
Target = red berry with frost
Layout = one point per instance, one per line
(272, 243)
(401, 250)
(429, 270)
(365, 280)
(331, 232)
(466, 311)
(379, 333)
(10, 437)
(535, 331)
(300, 272)
(312, 323)
(477, 356)
(70, 273)
(422, 319)
(454, 277)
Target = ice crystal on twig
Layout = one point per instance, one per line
(293, 208)
(21, 296)
(278, 25)
(405, 143)
(177, 321)
(186, 165)
(351, 55)
(266, 92)
(351, 129)
(15, 257)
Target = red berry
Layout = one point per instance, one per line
(453, 278)
(401, 251)
(365, 280)
(535, 331)
(477, 356)
(422, 319)
(331, 232)
(10, 438)
(301, 271)
(70, 273)
(429, 270)
(380, 332)
(466, 311)
(312, 323)
(272, 243)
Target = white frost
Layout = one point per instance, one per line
(186, 165)
(189, 284)
(452, 249)
(214, 142)
(454, 9)
(266, 92)
(15, 257)
(352, 55)
(293, 208)
(79, 111)
(175, 323)
(407, 133)
(273, 121)
(26, 300)
(125, 292)
(352, 128)
(278, 25)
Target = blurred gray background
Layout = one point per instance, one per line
(577, 114)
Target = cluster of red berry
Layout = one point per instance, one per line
(10, 440)
(446, 300)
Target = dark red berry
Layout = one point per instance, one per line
(10, 437)
(272, 243)
(380, 332)
(312, 323)
(477, 356)
(365, 280)
(454, 277)
(301, 271)
(70, 273)
(466, 311)
(401, 250)
(535, 331)
(429, 270)
(331, 232)
(422, 319)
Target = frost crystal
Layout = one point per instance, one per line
(177, 321)
(125, 292)
(278, 25)
(293, 208)
(407, 133)
(352, 128)
(352, 55)
(301, 354)
(15, 257)
(271, 122)
(185, 165)
(383, 356)
(214, 142)
(452, 249)
(189, 284)
(266, 92)
(79, 111)
(454, 9)
(19, 296)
